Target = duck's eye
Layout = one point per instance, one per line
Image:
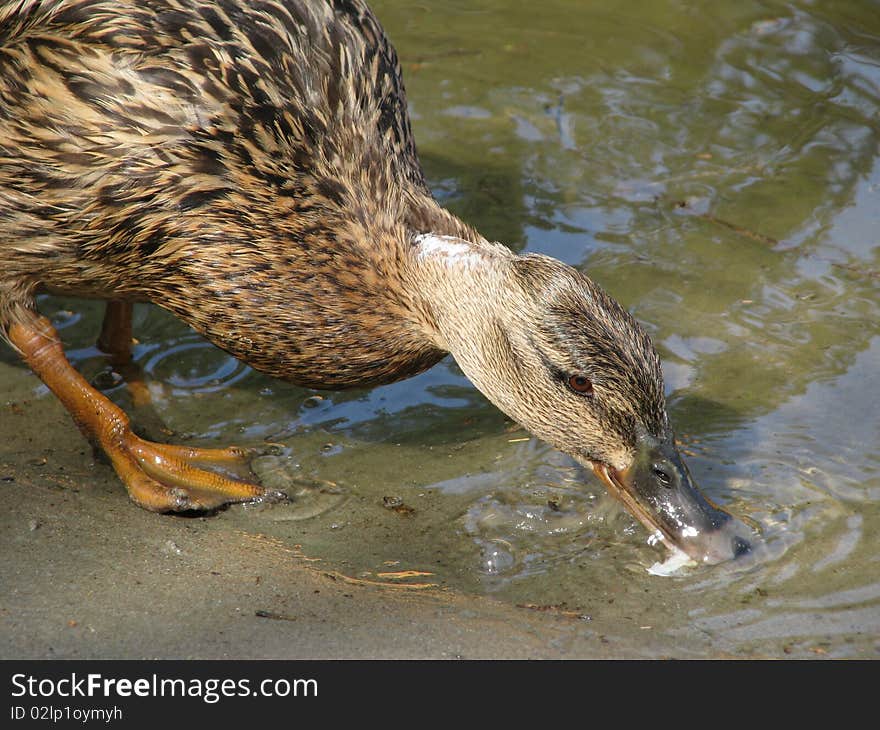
(580, 385)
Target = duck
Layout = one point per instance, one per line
(251, 168)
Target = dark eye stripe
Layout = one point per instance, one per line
(584, 389)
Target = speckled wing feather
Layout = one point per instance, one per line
(311, 88)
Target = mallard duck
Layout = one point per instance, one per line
(250, 167)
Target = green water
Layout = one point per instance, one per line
(715, 167)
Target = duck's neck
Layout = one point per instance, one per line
(466, 296)
(459, 283)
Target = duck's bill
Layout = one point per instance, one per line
(657, 489)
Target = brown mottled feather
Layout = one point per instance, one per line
(249, 167)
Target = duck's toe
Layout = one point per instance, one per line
(159, 477)
(169, 478)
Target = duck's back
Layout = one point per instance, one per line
(187, 152)
(146, 89)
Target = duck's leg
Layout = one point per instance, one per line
(159, 477)
(116, 335)
(115, 340)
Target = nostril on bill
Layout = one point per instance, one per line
(741, 547)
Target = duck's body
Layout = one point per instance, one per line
(253, 172)
(251, 168)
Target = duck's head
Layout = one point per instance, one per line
(552, 350)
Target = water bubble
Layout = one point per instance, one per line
(495, 558)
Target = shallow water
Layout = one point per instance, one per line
(717, 171)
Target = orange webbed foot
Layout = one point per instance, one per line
(169, 478)
(159, 477)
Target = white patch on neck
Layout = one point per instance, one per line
(449, 250)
